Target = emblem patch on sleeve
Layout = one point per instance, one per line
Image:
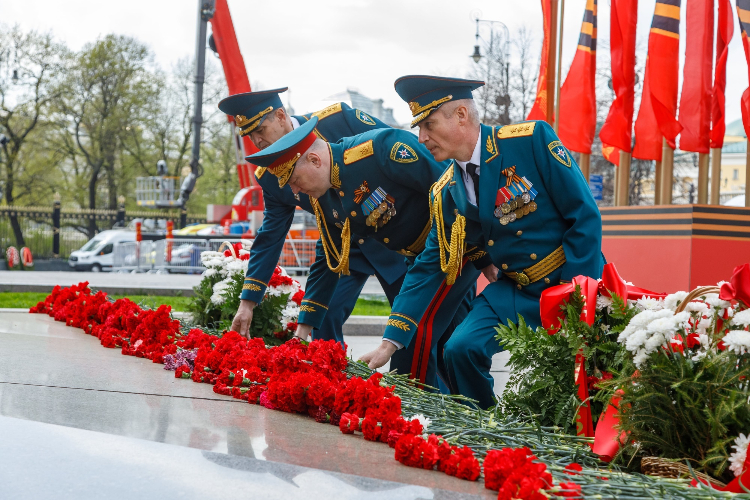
(402, 153)
(364, 118)
(559, 152)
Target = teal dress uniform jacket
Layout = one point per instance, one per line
(557, 241)
(335, 122)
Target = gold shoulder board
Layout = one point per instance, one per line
(358, 152)
(259, 172)
(326, 112)
(444, 179)
(518, 130)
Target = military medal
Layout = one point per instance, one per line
(335, 214)
(360, 192)
(378, 208)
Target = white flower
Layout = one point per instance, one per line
(737, 459)
(209, 272)
(649, 304)
(640, 321)
(742, 318)
(697, 307)
(713, 300)
(605, 328)
(422, 420)
(603, 302)
(671, 301)
(650, 330)
(737, 341)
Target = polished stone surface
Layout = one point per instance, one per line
(53, 374)
(50, 461)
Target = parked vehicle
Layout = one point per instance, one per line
(96, 255)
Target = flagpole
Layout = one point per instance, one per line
(667, 170)
(551, 57)
(559, 68)
(623, 179)
(657, 183)
(703, 178)
(715, 176)
(585, 165)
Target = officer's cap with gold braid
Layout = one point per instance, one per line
(425, 94)
(251, 108)
(281, 157)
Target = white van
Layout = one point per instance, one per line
(97, 255)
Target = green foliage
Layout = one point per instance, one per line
(542, 383)
(675, 407)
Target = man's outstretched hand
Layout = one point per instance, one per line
(243, 318)
(490, 272)
(303, 331)
(380, 356)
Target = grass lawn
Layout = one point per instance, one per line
(365, 307)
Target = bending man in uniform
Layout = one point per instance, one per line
(262, 116)
(370, 187)
(515, 194)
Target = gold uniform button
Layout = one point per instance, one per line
(386, 240)
(490, 243)
(361, 241)
(341, 193)
(546, 280)
(519, 233)
(533, 256)
(504, 266)
(354, 214)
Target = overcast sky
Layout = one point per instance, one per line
(321, 48)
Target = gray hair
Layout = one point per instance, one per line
(449, 108)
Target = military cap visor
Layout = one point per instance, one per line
(251, 108)
(281, 157)
(425, 94)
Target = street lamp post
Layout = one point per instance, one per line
(477, 56)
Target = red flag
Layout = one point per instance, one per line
(539, 109)
(618, 128)
(231, 58)
(743, 14)
(578, 94)
(695, 101)
(724, 34)
(656, 116)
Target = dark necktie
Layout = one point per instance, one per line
(471, 169)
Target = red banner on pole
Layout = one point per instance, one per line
(743, 14)
(695, 101)
(231, 58)
(656, 116)
(578, 94)
(618, 128)
(539, 109)
(724, 33)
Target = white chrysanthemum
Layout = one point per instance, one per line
(642, 339)
(209, 272)
(742, 318)
(738, 457)
(640, 321)
(671, 301)
(700, 308)
(649, 304)
(603, 302)
(713, 300)
(737, 341)
(703, 325)
(422, 420)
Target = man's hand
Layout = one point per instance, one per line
(303, 331)
(243, 318)
(380, 356)
(490, 272)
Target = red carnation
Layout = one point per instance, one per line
(569, 490)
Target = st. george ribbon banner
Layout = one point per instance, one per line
(724, 33)
(695, 101)
(539, 109)
(577, 126)
(658, 110)
(616, 133)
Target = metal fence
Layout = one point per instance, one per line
(54, 232)
(183, 255)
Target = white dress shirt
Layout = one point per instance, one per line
(468, 181)
(295, 123)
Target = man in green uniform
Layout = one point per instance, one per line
(373, 186)
(513, 192)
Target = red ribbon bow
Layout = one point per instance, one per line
(606, 439)
(738, 287)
